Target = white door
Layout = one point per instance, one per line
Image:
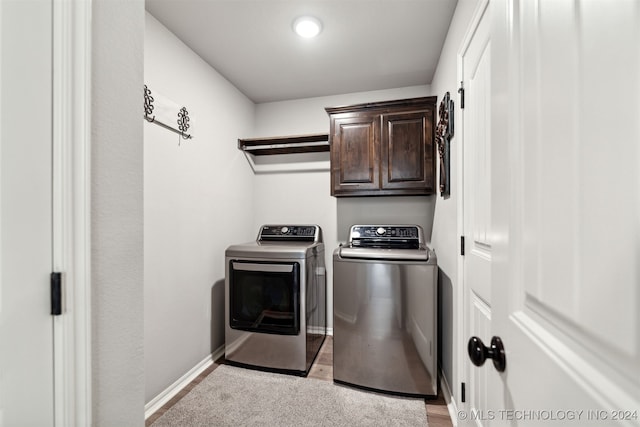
(26, 326)
(475, 62)
(566, 211)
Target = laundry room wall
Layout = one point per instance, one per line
(117, 358)
(304, 196)
(445, 239)
(199, 199)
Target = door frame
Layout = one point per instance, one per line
(462, 294)
(71, 139)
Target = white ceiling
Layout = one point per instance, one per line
(365, 44)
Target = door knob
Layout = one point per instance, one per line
(478, 352)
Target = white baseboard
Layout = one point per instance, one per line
(160, 400)
(448, 398)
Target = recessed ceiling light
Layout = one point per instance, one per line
(307, 26)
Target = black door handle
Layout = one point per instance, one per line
(478, 352)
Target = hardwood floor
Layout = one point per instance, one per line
(322, 369)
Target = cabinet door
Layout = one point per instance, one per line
(355, 154)
(407, 152)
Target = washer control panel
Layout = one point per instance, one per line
(386, 236)
(375, 231)
(287, 233)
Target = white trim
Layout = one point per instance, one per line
(161, 399)
(448, 398)
(319, 331)
(71, 80)
(461, 291)
(605, 389)
(481, 8)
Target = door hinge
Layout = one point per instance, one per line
(461, 92)
(56, 294)
(462, 245)
(463, 397)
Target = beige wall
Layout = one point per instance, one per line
(116, 209)
(258, 198)
(304, 197)
(198, 199)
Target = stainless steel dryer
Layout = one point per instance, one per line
(385, 311)
(275, 299)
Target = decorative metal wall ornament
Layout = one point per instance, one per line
(148, 105)
(444, 133)
(182, 121)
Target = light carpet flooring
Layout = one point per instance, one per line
(322, 369)
(233, 396)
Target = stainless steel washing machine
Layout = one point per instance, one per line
(385, 311)
(275, 299)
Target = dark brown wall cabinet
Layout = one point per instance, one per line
(383, 148)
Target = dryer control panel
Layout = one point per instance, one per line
(290, 233)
